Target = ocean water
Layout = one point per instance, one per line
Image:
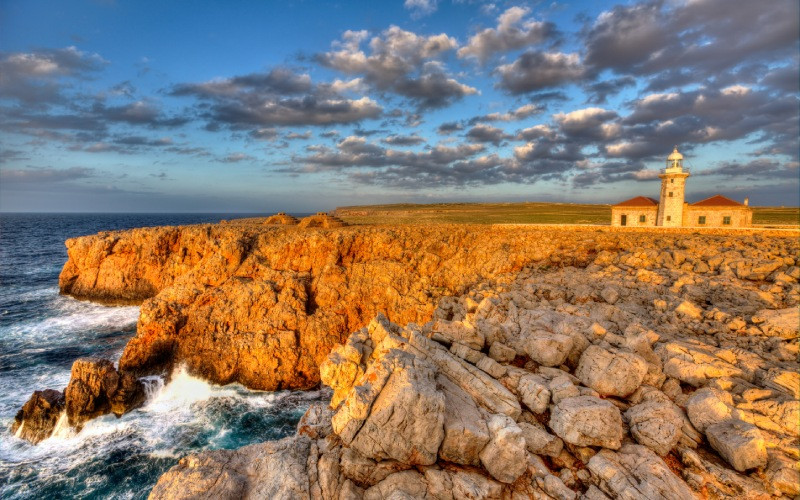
(42, 333)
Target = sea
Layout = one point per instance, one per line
(42, 333)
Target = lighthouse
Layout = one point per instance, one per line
(673, 189)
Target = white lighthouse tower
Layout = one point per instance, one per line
(673, 188)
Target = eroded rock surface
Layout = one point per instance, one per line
(559, 350)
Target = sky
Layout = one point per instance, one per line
(302, 106)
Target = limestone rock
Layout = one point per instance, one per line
(401, 485)
(547, 348)
(38, 417)
(485, 390)
(501, 352)
(504, 456)
(708, 406)
(456, 331)
(405, 421)
(534, 393)
(655, 424)
(96, 388)
(636, 472)
(587, 421)
(465, 430)
(739, 443)
(611, 373)
(366, 471)
(277, 469)
(540, 442)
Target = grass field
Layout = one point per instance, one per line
(520, 213)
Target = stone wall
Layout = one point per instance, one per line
(633, 214)
(740, 216)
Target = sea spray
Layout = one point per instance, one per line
(42, 333)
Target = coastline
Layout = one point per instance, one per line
(211, 278)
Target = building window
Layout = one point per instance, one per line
(623, 220)
(726, 220)
(701, 220)
(670, 194)
(642, 218)
(669, 218)
(672, 181)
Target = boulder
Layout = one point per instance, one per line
(540, 442)
(655, 424)
(547, 348)
(406, 419)
(501, 352)
(504, 456)
(38, 417)
(636, 472)
(365, 471)
(534, 393)
(401, 485)
(275, 469)
(465, 430)
(611, 373)
(587, 421)
(708, 406)
(456, 331)
(741, 444)
(96, 388)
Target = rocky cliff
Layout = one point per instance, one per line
(648, 374)
(535, 347)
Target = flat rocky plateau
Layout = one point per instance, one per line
(464, 361)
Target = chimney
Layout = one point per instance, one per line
(746, 201)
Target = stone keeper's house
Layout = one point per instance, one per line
(672, 211)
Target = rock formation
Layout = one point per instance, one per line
(458, 408)
(476, 362)
(95, 388)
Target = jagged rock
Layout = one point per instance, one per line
(739, 443)
(708, 406)
(696, 364)
(485, 390)
(366, 471)
(456, 331)
(504, 456)
(540, 442)
(401, 485)
(276, 469)
(611, 373)
(587, 421)
(636, 472)
(316, 421)
(38, 417)
(491, 367)
(405, 416)
(561, 387)
(655, 424)
(96, 388)
(689, 310)
(501, 352)
(547, 348)
(610, 295)
(465, 430)
(534, 393)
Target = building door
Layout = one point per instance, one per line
(623, 220)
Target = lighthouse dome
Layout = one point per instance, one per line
(675, 155)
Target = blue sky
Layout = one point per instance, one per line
(304, 106)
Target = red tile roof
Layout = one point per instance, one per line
(717, 201)
(639, 201)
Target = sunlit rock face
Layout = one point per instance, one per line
(508, 337)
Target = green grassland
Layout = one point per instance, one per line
(519, 213)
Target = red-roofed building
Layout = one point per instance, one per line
(672, 211)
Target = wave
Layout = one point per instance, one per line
(185, 415)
